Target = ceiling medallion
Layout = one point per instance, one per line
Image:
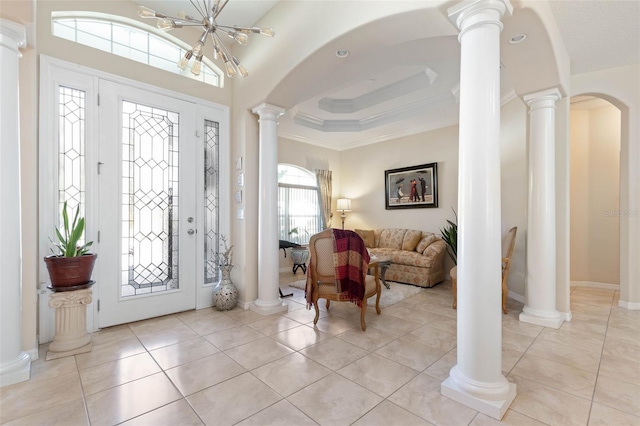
(209, 11)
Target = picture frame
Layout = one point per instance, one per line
(399, 183)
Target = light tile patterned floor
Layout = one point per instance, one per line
(237, 367)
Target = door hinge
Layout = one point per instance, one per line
(196, 134)
(98, 99)
(100, 164)
(98, 236)
(98, 305)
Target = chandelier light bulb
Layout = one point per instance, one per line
(197, 66)
(185, 60)
(231, 70)
(242, 70)
(240, 37)
(166, 24)
(267, 32)
(184, 16)
(145, 12)
(197, 48)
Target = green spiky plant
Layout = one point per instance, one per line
(67, 243)
(450, 236)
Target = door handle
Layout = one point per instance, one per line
(191, 232)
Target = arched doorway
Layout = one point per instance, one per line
(595, 127)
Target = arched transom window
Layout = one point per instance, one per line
(129, 39)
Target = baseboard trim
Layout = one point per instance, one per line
(517, 297)
(33, 354)
(594, 284)
(632, 306)
(244, 305)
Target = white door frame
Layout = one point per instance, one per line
(54, 72)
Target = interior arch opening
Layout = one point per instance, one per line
(595, 128)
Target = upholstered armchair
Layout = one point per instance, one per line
(323, 277)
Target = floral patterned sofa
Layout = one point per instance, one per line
(417, 257)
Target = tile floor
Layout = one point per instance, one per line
(237, 367)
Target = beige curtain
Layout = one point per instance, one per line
(324, 196)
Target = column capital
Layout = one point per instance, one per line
(12, 35)
(471, 13)
(552, 95)
(268, 111)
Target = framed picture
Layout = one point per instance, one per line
(411, 187)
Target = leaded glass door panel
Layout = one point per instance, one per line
(148, 204)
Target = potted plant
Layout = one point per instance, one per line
(72, 265)
(450, 236)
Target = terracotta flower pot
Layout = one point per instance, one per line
(70, 271)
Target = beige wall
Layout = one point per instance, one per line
(595, 195)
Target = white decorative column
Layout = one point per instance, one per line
(477, 381)
(540, 307)
(268, 301)
(71, 336)
(15, 364)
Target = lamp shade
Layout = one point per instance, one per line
(344, 204)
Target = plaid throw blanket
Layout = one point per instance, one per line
(351, 260)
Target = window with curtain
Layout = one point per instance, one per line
(298, 207)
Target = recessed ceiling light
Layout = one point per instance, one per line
(342, 53)
(517, 38)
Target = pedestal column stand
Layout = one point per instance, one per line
(71, 336)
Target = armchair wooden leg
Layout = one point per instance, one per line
(378, 301)
(454, 289)
(328, 303)
(363, 312)
(315, 305)
(505, 293)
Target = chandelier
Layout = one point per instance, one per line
(209, 11)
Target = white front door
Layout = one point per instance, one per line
(148, 208)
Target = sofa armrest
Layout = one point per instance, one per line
(435, 251)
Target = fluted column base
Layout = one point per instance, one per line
(552, 319)
(71, 323)
(268, 308)
(490, 400)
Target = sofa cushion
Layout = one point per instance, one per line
(367, 236)
(392, 238)
(411, 239)
(426, 241)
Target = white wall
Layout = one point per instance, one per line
(595, 195)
